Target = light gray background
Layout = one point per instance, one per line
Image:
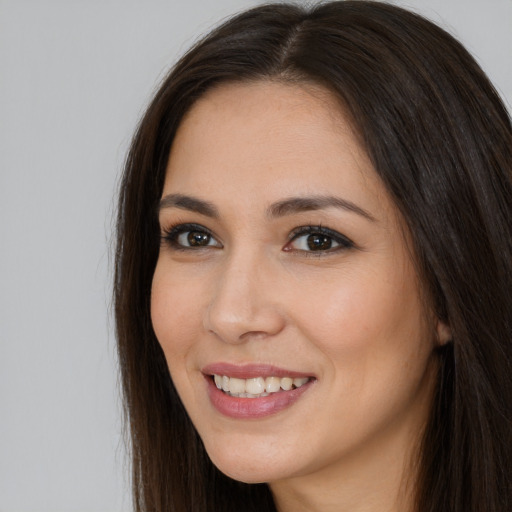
(74, 78)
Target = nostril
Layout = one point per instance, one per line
(239, 323)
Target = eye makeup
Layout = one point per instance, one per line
(189, 236)
(317, 240)
(308, 240)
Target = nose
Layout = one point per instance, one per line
(245, 301)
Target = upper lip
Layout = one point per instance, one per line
(251, 371)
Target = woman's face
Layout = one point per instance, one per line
(283, 273)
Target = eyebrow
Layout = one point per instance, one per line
(305, 204)
(189, 203)
(282, 208)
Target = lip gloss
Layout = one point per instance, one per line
(252, 408)
(247, 408)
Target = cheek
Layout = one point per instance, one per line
(365, 320)
(373, 334)
(174, 312)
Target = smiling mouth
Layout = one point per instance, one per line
(257, 387)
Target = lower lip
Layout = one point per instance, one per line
(251, 408)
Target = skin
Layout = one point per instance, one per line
(351, 316)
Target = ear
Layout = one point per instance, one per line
(444, 333)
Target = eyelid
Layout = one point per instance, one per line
(170, 235)
(342, 241)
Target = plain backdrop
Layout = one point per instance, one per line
(74, 79)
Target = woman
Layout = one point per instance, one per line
(313, 271)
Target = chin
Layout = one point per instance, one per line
(251, 466)
(250, 475)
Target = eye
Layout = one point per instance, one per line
(317, 239)
(189, 237)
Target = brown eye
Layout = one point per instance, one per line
(319, 242)
(197, 238)
(317, 239)
(190, 236)
(314, 242)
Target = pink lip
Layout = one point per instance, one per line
(252, 408)
(251, 371)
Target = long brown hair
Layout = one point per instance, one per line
(441, 141)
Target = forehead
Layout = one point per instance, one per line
(269, 139)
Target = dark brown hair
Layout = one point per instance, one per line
(441, 141)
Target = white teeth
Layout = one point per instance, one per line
(236, 385)
(257, 387)
(272, 384)
(299, 382)
(286, 383)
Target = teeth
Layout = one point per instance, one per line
(286, 383)
(272, 384)
(236, 385)
(299, 382)
(257, 387)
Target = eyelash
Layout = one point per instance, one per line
(342, 241)
(171, 235)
